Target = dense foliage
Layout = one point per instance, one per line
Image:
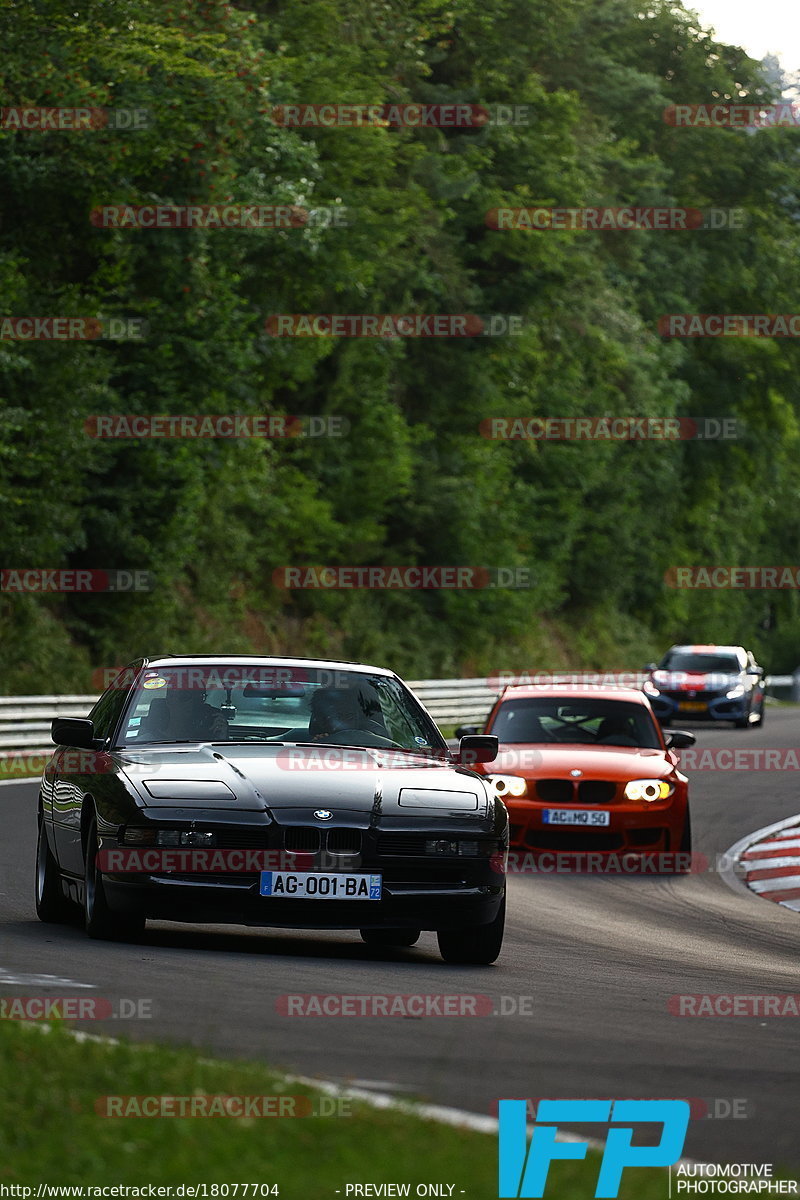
(597, 523)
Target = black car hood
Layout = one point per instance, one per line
(257, 777)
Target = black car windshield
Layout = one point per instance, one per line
(705, 664)
(277, 703)
(580, 720)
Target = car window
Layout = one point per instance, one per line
(706, 664)
(263, 703)
(107, 710)
(586, 721)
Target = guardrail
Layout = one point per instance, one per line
(25, 720)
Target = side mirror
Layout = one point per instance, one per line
(477, 748)
(754, 671)
(679, 739)
(74, 731)
(466, 730)
(651, 666)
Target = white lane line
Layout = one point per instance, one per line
(22, 979)
(27, 779)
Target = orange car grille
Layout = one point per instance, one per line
(573, 791)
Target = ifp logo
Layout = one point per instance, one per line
(523, 1169)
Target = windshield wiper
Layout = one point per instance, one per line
(171, 742)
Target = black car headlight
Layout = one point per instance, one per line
(133, 836)
(458, 848)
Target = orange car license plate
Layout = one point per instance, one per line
(692, 705)
(575, 816)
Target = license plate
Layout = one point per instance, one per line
(575, 816)
(692, 705)
(314, 885)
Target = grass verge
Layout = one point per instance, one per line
(50, 1131)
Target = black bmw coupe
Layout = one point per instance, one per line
(271, 792)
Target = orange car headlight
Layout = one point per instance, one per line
(508, 785)
(648, 789)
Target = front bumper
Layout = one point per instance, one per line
(708, 708)
(409, 905)
(631, 828)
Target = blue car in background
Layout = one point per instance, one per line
(707, 683)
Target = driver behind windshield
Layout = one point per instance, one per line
(183, 715)
(337, 717)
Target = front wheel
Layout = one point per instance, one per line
(52, 905)
(476, 945)
(744, 723)
(390, 937)
(683, 859)
(99, 920)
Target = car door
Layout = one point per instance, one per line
(74, 775)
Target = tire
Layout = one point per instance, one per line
(685, 846)
(99, 920)
(744, 723)
(52, 905)
(476, 945)
(390, 937)
(760, 720)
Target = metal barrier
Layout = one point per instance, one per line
(25, 720)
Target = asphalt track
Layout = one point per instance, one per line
(598, 958)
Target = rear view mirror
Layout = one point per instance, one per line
(477, 748)
(273, 691)
(74, 731)
(679, 739)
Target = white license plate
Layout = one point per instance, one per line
(575, 816)
(314, 885)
